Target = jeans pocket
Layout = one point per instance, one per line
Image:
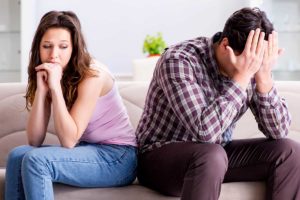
(128, 166)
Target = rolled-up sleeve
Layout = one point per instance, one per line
(271, 113)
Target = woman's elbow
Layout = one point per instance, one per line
(34, 143)
(68, 144)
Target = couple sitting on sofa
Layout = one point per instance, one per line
(200, 88)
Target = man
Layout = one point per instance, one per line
(200, 88)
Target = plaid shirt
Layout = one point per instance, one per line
(189, 100)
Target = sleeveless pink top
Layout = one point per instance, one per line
(110, 123)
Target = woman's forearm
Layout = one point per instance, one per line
(38, 119)
(65, 126)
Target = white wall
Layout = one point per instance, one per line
(115, 29)
(9, 40)
(29, 22)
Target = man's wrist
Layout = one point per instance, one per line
(243, 81)
(265, 85)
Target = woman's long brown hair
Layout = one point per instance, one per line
(79, 63)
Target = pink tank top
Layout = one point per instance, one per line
(110, 123)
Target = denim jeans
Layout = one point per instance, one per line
(31, 171)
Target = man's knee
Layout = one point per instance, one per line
(288, 149)
(212, 161)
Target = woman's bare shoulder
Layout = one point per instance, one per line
(102, 81)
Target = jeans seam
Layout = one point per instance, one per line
(117, 160)
(44, 195)
(79, 161)
(19, 184)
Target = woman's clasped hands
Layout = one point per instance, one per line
(48, 76)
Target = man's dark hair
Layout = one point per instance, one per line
(241, 22)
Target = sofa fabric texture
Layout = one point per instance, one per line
(13, 117)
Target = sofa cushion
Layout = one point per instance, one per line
(229, 191)
(131, 192)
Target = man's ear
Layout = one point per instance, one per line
(224, 43)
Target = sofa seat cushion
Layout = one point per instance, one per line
(229, 191)
(131, 192)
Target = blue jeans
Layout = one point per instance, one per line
(31, 171)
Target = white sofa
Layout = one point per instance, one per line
(13, 117)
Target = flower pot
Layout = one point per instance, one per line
(143, 68)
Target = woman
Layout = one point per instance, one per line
(97, 142)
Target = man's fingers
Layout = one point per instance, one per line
(263, 56)
(270, 44)
(255, 40)
(261, 43)
(249, 41)
(275, 42)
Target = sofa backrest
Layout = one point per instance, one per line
(13, 115)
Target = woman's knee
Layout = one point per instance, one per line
(35, 160)
(34, 156)
(17, 154)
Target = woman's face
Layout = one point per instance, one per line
(56, 46)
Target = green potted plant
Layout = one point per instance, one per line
(154, 45)
(143, 68)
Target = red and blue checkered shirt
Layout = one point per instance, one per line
(189, 100)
